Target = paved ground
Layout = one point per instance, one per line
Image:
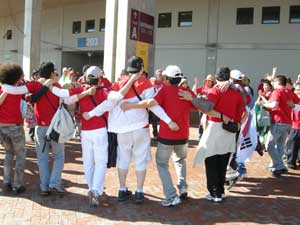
(259, 199)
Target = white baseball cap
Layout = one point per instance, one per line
(172, 71)
(236, 74)
(93, 72)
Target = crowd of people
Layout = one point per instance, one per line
(126, 108)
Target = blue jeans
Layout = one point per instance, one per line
(48, 180)
(275, 144)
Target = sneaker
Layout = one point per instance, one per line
(44, 193)
(223, 196)
(124, 195)
(293, 167)
(276, 173)
(233, 181)
(171, 202)
(6, 187)
(95, 201)
(139, 197)
(209, 197)
(56, 191)
(183, 193)
(18, 190)
(90, 197)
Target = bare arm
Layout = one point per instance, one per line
(2, 97)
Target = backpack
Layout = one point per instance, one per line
(62, 126)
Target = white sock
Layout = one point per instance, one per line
(139, 190)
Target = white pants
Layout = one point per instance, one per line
(94, 152)
(136, 143)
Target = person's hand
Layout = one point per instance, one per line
(290, 104)
(226, 119)
(274, 70)
(134, 77)
(223, 85)
(42, 80)
(48, 82)
(185, 95)
(196, 80)
(92, 90)
(86, 116)
(173, 126)
(125, 106)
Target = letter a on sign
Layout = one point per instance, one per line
(134, 34)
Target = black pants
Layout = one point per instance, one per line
(31, 133)
(293, 146)
(215, 173)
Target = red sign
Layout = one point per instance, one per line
(141, 27)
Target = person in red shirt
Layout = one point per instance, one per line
(94, 139)
(209, 82)
(12, 135)
(103, 81)
(293, 145)
(216, 143)
(281, 102)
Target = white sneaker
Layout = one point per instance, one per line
(209, 197)
(171, 202)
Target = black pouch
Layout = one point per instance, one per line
(231, 127)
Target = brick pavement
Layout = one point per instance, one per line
(259, 199)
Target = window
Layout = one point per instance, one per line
(89, 26)
(164, 20)
(102, 25)
(76, 29)
(270, 15)
(185, 19)
(295, 14)
(244, 16)
(8, 35)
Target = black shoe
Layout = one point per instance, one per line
(139, 197)
(124, 195)
(7, 187)
(56, 191)
(19, 190)
(44, 193)
(276, 173)
(293, 167)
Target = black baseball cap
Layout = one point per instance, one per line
(134, 64)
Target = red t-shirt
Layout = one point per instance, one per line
(230, 103)
(178, 110)
(45, 108)
(86, 105)
(104, 82)
(140, 85)
(266, 94)
(10, 109)
(283, 112)
(202, 90)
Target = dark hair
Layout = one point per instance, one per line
(84, 68)
(10, 73)
(281, 79)
(46, 69)
(265, 81)
(289, 80)
(223, 73)
(175, 80)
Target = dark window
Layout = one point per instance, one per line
(165, 20)
(185, 19)
(102, 25)
(89, 26)
(244, 15)
(295, 14)
(8, 35)
(270, 15)
(76, 29)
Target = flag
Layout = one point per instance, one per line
(247, 140)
